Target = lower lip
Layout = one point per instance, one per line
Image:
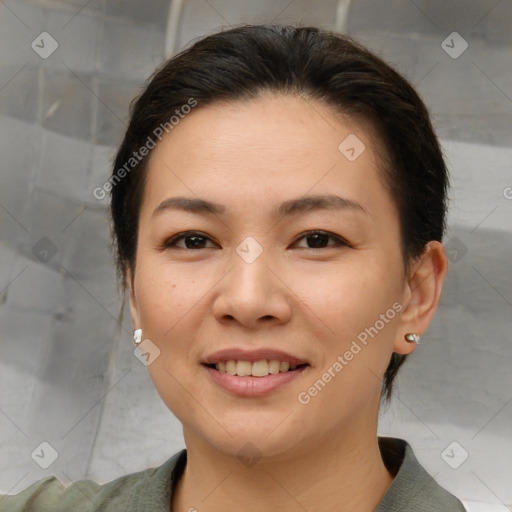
(253, 386)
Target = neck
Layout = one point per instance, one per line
(343, 474)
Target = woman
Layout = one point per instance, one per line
(278, 205)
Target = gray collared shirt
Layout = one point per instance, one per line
(412, 490)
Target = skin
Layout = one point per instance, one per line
(309, 302)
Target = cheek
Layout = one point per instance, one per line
(169, 300)
(166, 298)
(165, 295)
(351, 295)
(359, 305)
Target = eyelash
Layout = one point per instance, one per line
(170, 243)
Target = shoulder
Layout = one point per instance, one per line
(123, 493)
(412, 489)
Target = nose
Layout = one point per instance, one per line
(253, 294)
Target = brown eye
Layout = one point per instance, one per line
(319, 240)
(192, 240)
(196, 240)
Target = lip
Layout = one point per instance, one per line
(252, 356)
(253, 386)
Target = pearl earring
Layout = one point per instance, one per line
(412, 338)
(137, 336)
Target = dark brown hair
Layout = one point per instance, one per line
(242, 62)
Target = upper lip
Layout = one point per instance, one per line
(252, 356)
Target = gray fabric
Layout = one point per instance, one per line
(412, 490)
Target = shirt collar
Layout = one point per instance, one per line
(411, 485)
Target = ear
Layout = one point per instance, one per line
(134, 310)
(421, 295)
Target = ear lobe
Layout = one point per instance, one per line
(422, 293)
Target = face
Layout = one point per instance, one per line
(271, 275)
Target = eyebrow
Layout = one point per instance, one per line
(287, 208)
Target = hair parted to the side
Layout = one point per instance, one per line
(243, 62)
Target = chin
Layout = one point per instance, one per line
(251, 449)
(251, 440)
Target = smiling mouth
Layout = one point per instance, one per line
(261, 368)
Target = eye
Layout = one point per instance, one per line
(193, 240)
(197, 240)
(319, 238)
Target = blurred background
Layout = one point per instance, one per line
(74, 400)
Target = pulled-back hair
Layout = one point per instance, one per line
(243, 62)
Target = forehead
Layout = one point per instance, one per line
(266, 121)
(270, 145)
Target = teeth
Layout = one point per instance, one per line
(273, 366)
(230, 367)
(260, 368)
(243, 368)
